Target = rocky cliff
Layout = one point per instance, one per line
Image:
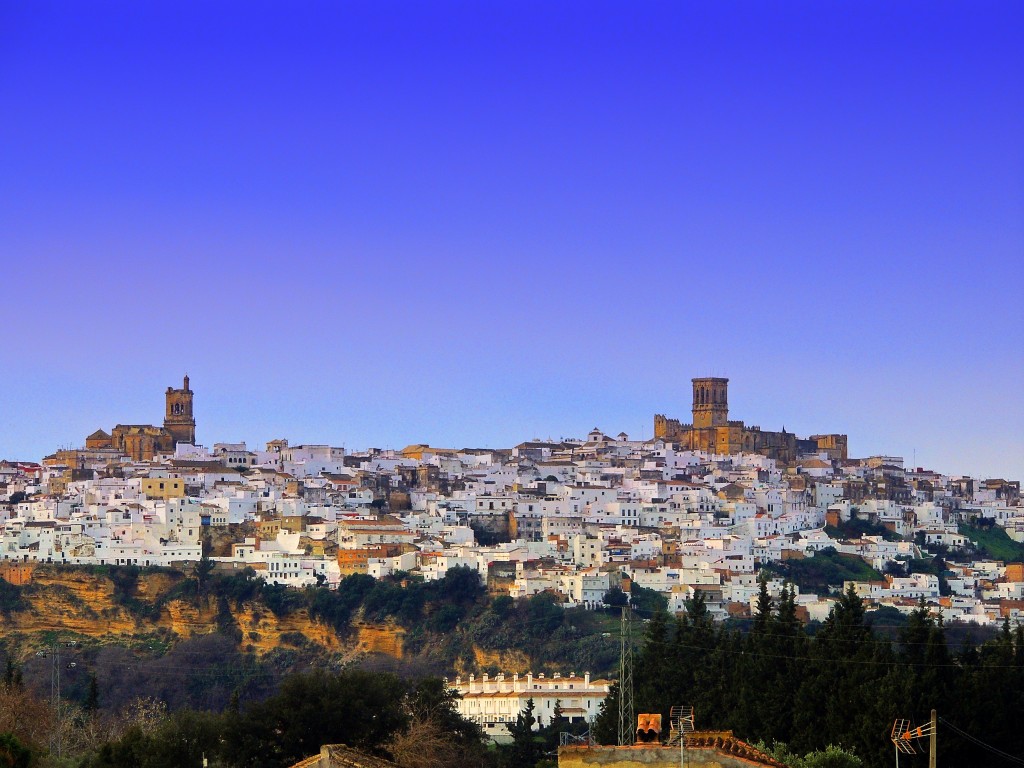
(90, 604)
(448, 626)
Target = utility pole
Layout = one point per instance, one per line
(933, 742)
(627, 718)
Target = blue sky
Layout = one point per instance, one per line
(377, 223)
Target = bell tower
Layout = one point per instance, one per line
(710, 402)
(178, 418)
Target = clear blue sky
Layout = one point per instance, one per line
(471, 223)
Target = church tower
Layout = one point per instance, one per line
(178, 418)
(710, 402)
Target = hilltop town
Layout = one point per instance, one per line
(581, 518)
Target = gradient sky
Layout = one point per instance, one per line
(473, 223)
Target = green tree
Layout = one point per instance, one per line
(831, 757)
(606, 725)
(12, 675)
(92, 697)
(615, 597)
(358, 708)
(527, 746)
(647, 602)
(763, 611)
(654, 668)
(204, 569)
(13, 754)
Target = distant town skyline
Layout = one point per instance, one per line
(254, 440)
(374, 225)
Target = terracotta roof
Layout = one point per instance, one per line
(340, 756)
(815, 464)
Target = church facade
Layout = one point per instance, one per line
(712, 431)
(142, 442)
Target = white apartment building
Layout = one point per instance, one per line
(495, 702)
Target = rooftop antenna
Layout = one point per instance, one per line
(903, 736)
(627, 718)
(680, 724)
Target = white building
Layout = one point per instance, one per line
(495, 702)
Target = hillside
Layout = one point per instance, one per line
(826, 571)
(993, 542)
(237, 621)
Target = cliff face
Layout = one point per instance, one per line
(70, 601)
(377, 638)
(510, 661)
(90, 605)
(129, 607)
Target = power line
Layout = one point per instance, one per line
(982, 744)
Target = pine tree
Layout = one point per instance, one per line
(527, 745)
(764, 606)
(653, 667)
(92, 699)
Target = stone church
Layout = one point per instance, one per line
(712, 431)
(142, 442)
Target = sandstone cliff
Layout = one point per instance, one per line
(87, 604)
(437, 628)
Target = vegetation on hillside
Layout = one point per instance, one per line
(992, 541)
(824, 572)
(856, 527)
(844, 686)
(770, 680)
(443, 623)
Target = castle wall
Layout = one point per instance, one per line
(712, 432)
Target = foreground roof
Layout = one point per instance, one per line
(340, 756)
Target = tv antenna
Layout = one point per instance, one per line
(680, 722)
(568, 739)
(905, 738)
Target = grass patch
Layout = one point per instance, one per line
(993, 542)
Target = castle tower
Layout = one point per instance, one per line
(710, 402)
(178, 418)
